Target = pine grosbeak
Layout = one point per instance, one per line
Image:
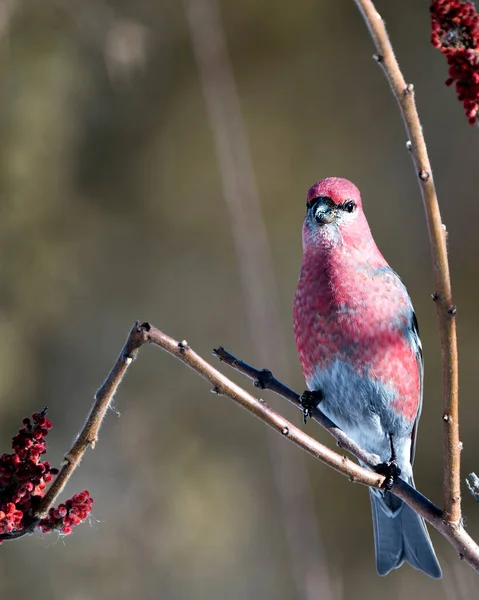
(361, 356)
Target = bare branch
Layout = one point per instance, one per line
(453, 532)
(264, 379)
(221, 385)
(472, 483)
(446, 311)
(88, 435)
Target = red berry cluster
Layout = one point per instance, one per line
(65, 516)
(455, 30)
(23, 479)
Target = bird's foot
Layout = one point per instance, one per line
(391, 472)
(309, 401)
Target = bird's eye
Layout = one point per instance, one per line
(349, 206)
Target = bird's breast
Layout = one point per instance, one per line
(358, 319)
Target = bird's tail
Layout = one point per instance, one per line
(401, 535)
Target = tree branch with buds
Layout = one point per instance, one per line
(145, 333)
(454, 532)
(446, 310)
(265, 380)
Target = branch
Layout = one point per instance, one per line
(453, 532)
(88, 435)
(473, 485)
(446, 311)
(225, 387)
(265, 380)
(147, 334)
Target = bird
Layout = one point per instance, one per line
(358, 343)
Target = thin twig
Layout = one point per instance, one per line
(446, 311)
(265, 380)
(221, 385)
(472, 483)
(88, 435)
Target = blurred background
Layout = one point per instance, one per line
(154, 161)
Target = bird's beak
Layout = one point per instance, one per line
(323, 213)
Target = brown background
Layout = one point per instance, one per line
(111, 209)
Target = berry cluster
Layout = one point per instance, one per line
(65, 516)
(23, 479)
(455, 30)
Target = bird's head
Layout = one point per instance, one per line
(333, 212)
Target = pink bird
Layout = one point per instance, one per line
(359, 347)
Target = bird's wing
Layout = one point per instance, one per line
(415, 341)
(417, 346)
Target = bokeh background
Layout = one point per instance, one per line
(124, 195)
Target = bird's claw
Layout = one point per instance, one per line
(309, 401)
(391, 472)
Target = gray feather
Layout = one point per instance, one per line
(401, 535)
